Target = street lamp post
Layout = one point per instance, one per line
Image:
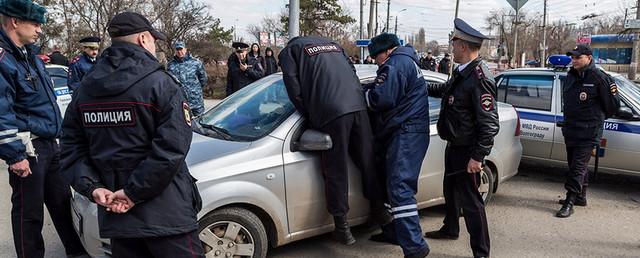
(396, 27)
(294, 18)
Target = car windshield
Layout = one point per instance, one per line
(251, 113)
(629, 90)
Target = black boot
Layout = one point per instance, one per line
(342, 233)
(421, 254)
(379, 215)
(567, 207)
(581, 200)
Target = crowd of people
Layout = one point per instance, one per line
(127, 131)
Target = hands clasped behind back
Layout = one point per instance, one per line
(117, 202)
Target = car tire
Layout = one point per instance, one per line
(486, 177)
(247, 239)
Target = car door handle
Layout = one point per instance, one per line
(560, 123)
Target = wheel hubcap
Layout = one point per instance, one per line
(227, 239)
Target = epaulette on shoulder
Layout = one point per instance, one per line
(480, 73)
(74, 60)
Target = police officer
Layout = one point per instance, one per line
(468, 122)
(398, 98)
(590, 96)
(428, 62)
(124, 145)
(243, 69)
(324, 88)
(192, 76)
(30, 122)
(58, 58)
(80, 65)
(445, 64)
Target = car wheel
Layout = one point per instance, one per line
(233, 232)
(486, 184)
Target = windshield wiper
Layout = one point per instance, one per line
(219, 131)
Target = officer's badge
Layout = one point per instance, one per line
(486, 100)
(614, 89)
(583, 96)
(187, 113)
(451, 100)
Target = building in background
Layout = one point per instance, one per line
(613, 51)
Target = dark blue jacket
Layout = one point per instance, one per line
(78, 68)
(398, 96)
(27, 103)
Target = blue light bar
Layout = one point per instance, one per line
(559, 61)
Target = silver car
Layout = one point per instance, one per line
(258, 171)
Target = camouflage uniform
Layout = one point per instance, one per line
(192, 76)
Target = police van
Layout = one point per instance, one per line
(58, 74)
(537, 95)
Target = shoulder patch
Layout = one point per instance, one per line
(315, 49)
(614, 89)
(187, 113)
(486, 101)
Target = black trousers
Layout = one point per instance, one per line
(177, 246)
(578, 158)
(461, 191)
(44, 186)
(352, 137)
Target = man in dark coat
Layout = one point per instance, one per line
(324, 88)
(468, 122)
(243, 69)
(590, 96)
(445, 65)
(124, 147)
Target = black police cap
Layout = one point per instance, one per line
(239, 45)
(580, 50)
(89, 39)
(128, 23)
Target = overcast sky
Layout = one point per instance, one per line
(436, 16)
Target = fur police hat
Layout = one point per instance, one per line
(382, 43)
(23, 9)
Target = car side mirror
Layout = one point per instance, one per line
(312, 140)
(625, 113)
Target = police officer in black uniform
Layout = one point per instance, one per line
(30, 122)
(468, 122)
(124, 145)
(243, 69)
(590, 96)
(428, 62)
(324, 88)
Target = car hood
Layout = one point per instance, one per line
(204, 148)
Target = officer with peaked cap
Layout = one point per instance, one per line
(126, 136)
(468, 122)
(590, 96)
(80, 65)
(243, 69)
(30, 122)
